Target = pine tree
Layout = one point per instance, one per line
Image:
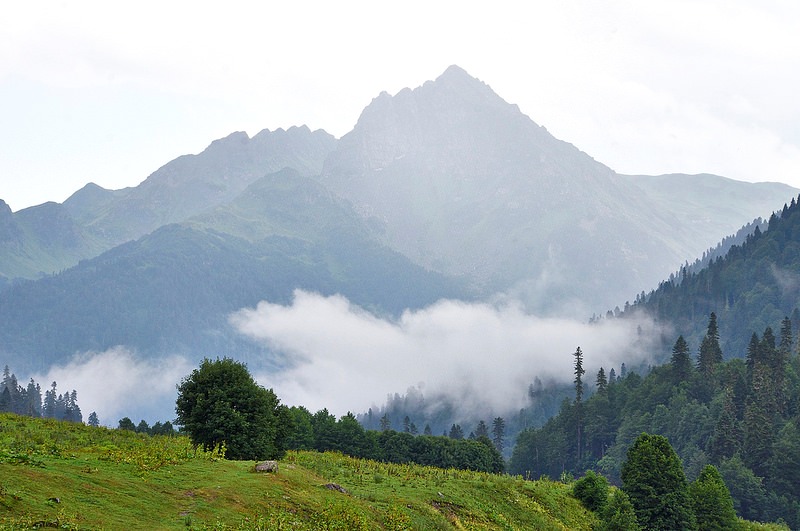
(601, 382)
(93, 420)
(710, 355)
(481, 430)
(727, 437)
(578, 381)
(49, 408)
(681, 362)
(386, 424)
(499, 433)
(612, 376)
(456, 432)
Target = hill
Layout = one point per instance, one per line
(77, 477)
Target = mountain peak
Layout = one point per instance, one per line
(455, 72)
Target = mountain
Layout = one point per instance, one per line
(173, 290)
(40, 240)
(93, 219)
(466, 184)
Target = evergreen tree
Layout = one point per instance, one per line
(653, 478)
(427, 430)
(712, 502)
(710, 355)
(601, 382)
(481, 430)
(456, 432)
(407, 424)
(499, 433)
(143, 427)
(386, 424)
(680, 362)
(126, 423)
(50, 397)
(727, 438)
(5, 401)
(93, 420)
(578, 381)
(612, 376)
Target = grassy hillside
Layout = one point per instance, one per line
(56, 474)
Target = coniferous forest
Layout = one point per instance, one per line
(739, 415)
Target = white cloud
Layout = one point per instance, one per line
(483, 356)
(117, 383)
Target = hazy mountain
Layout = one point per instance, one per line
(464, 183)
(96, 219)
(712, 205)
(172, 290)
(40, 240)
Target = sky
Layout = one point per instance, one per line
(105, 92)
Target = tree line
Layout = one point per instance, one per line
(28, 400)
(220, 404)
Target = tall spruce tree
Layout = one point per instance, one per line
(680, 362)
(578, 381)
(710, 354)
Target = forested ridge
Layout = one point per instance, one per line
(741, 416)
(753, 286)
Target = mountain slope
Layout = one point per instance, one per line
(464, 183)
(754, 286)
(173, 289)
(50, 237)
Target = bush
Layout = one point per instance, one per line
(591, 490)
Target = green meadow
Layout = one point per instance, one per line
(55, 474)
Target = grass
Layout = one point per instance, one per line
(68, 476)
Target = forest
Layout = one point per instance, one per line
(739, 415)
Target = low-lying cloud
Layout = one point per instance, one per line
(480, 355)
(117, 383)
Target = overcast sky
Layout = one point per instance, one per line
(107, 92)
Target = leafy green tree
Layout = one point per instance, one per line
(143, 427)
(220, 403)
(591, 490)
(653, 478)
(747, 489)
(618, 514)
(712, 502)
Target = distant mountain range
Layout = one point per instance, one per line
(441, 191)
